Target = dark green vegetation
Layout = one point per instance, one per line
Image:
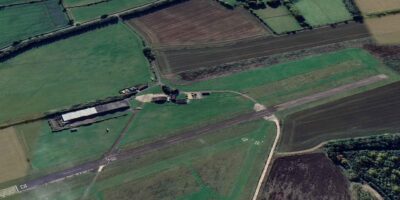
(283, 82)
(221, 165)
(359, 193)
(24, 21)
(83, 68)
(86, 13)
(308, 176)
(375, 160)
(367, 113)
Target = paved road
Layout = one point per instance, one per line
(80, 169)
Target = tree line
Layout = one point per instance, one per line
(20, 47)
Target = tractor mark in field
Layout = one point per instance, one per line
(178, 59)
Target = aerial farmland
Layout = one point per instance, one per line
(199, 99)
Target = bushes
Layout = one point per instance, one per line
(296, 14)
(353, 9)
(274, 3)
(150, 9)
(371, 159)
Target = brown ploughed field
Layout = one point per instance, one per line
(197, 22)
(309, 176)
(178, 60)
(367, 113)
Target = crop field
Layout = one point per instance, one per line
(225, 165)
(8, 2)
(87, 13)
(385, 29)
(371, 112)
(175, 61)
(309, 176)
(373, 6)
(283, 82)
(13, 162)
(159, 121)
(49, 151)
(73, 3)
(278, 19)
(29, 20)
(197, 22)
(323, 12)
(83, 68)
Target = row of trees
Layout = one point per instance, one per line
(375, 160)
(158, 5)
(20, 47)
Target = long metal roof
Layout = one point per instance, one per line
(79, 113)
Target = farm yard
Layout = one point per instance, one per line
(28, 20)
(322, 12)
(94, 11)
(280, 20)
(371, 112)
(83, 68)
(373, 6)
(308, 176)
(177, 61)
(225, 164)
(197, 22)
(283, 82)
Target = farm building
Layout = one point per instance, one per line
(94, 111)
(86, 116)
(159, 99)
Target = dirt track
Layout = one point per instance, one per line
(174, 60)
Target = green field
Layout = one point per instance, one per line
(222, 165)
(50, 151)
(7, 2)
(323, 12)
(83, 68)
(87, 13)
(158, 121)
(278, 19)
(21, 22)
(283, 82)
(69, 3)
